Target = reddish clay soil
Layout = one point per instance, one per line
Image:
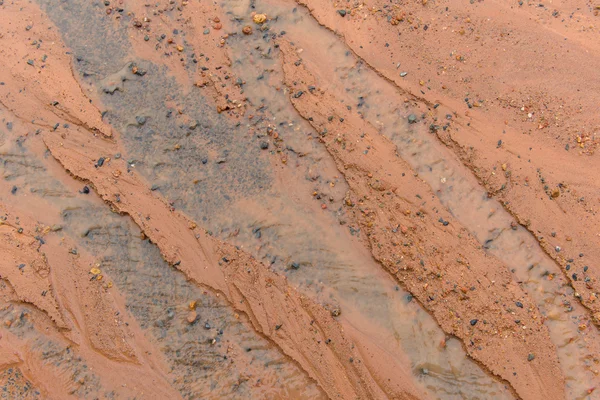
(523, 82)
(521, 85)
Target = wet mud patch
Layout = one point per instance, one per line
(25, 173)
(496, 230)
(172, 134)
(186, 151)
(96, 48)
(230, 175)
(398, 116)
(211, 350)
(184, 147)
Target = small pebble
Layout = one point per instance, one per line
(259, 18)
(192, 317)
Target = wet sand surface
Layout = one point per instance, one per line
(271, 199)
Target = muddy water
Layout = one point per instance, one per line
(216, 356)
(387, 109)
(269, 202)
